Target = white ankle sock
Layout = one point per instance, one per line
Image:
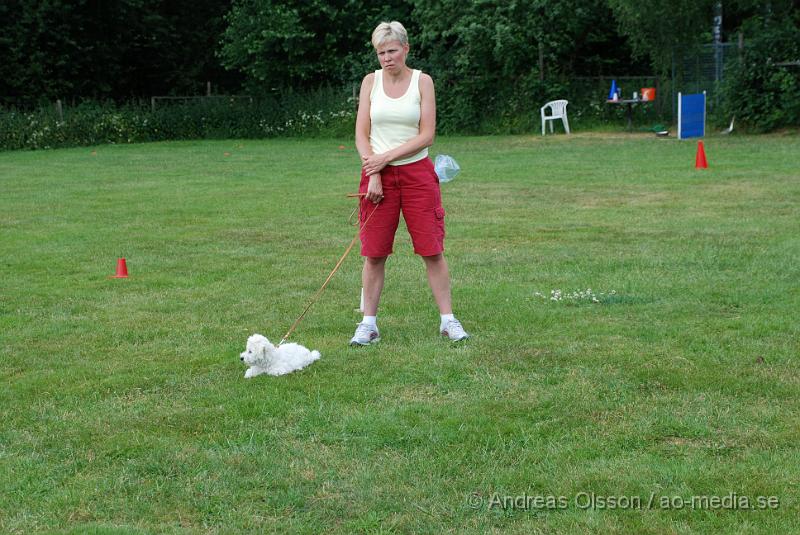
(370, 320)
(445, 318)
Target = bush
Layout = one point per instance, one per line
(761, 94)
(329, 112)
(512, 109)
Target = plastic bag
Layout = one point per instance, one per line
(446, 168)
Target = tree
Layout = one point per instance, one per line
(761, 90)
(655, 28)
(296, 44)
(37, 44)
(108, 49)
(484, 55)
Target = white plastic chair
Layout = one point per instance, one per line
(558, 110)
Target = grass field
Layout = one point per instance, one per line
(124, 408)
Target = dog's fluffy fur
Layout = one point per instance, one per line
(263, 357)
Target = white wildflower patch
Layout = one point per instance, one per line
(578, 296)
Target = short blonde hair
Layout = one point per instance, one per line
(389, 31)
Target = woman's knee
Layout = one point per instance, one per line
(375, 260)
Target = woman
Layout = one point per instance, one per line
(396, 124)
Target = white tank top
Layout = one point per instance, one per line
(393, 121)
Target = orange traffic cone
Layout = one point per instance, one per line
(122, 269)
(700, 159)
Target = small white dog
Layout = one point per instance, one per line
(263, 357)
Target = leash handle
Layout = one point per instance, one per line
(335, 269)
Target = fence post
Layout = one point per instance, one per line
(208, 89)
(59, 110)
(658, 96)
(672, 86)
(541, 61)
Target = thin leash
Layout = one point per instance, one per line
(335, 269)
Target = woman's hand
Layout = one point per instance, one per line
(375, 188)
(374, 163)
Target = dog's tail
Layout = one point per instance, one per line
(315, 355)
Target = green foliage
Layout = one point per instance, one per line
(655, 28)
(112, 49)
(281, 44)
(494, 62)
(484, 56)
(323, 112)
(761, 94)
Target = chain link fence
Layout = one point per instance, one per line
(703, 68)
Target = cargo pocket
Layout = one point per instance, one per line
(439, 213)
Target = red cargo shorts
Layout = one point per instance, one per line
(412, 188)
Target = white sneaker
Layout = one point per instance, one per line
(454, 331)
(366, 334)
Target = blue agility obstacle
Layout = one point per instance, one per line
(691, 115)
